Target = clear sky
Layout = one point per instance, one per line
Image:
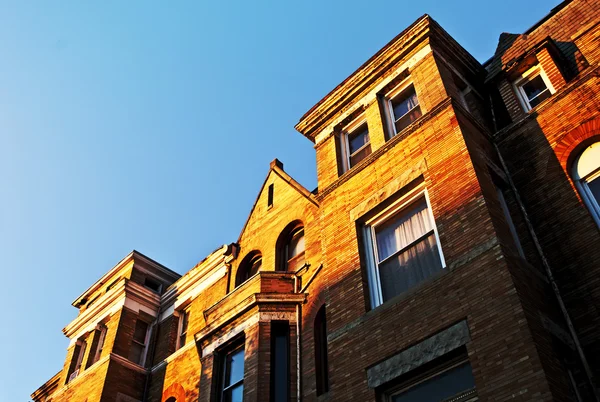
(150, 125)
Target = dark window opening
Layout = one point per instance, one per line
(270, 195)
(290, 248)
(321, 366)
(249, 266)
(153, 285)
(137, 353)
(280, 361)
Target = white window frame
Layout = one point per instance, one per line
(370, 241)
(347, 131)
(389, 109)
(182, 313)
(524, 79)
(582, 186)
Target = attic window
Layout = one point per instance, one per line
(153, 285)
(270, 195)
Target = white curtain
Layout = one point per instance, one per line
(400, 272)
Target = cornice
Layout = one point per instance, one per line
(370, 71)
(126, 263)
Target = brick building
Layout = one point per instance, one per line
(451, 251)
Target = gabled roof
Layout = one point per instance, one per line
(276, 167)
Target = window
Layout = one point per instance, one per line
(586, 174)
(401, 248)
(292, 251)
(248, 267)
(101, 333)
(270, 195)
(321, 366)
(280, 361)
(533, 88)
(356, 144)
(402, 108)
(184, 318)
(78, 353)
(232, 384)
(511, 224)
(137, 353)
(455, 384)
(153, 285)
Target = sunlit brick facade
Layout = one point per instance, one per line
(450, 253)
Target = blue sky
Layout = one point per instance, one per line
(150, 126)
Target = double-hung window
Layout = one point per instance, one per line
(78, 357)
(401, 248)
(184, 318)
(232, 384)
(357, 144)
(139, 343)
(402, 108)
(533, 88)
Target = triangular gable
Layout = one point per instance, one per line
(276, 168)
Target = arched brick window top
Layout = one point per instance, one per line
(174, 393)
(586, 175)
(249, 266)
(290, 247)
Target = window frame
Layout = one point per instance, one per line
(370, 239)
(142, 361)
(183, 313)
(100, 345)
(347, 132)
(229, 350)
(389, 97)
(526, 77)
(509, 220)
(581, 183)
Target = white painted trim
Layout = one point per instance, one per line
(370, 242)
(525, 78)
(232, 333)
(371, 96)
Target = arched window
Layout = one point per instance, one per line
(321, 366)
(290, 248)
(586, 174)
(248, 267)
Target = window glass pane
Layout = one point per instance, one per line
(135, 353)
(358, 139)
(536, 90)
(407, 269)
(235, 394)
(402, 229)
(140, 331)
(407, 119)
(440, 387)
(594, 186)
(235, 367)
(256, 264)
(296, 245)
(359, 156)
(404, 102)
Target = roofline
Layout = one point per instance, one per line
(537, 24)
(365, 64)
(131, 256)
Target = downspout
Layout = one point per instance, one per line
(547, 268)
(298, 359)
